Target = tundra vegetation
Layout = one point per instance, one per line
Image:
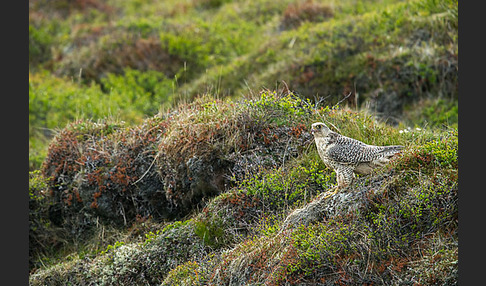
(169, 142)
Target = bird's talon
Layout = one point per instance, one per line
(329, 194)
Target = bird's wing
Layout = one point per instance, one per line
(349, 150)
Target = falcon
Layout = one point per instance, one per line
(347, 156)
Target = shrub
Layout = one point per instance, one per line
(320, 247)
(95, 167)
(184, 274)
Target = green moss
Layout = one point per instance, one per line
(144, 91)
(54, 102)
(38, 145)
(210, 232)
(112, 247)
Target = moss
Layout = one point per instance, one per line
(434, 112)
(210, 232)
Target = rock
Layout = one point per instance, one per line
(341, 204)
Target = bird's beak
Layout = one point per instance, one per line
(313, 130)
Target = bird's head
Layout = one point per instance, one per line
(319, 129)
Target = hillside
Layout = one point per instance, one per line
(169, 142)
(227, 175)
(129, 59)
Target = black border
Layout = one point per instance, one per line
(15, 166)
(470, 152)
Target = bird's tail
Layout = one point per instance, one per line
(391, 150)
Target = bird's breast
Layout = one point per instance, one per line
(322, 148)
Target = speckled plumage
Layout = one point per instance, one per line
(347, 156)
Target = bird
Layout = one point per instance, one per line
(347, 156)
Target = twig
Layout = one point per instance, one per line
(319, 101)
(346, 97)
(285, 153)
(286, 86)
(155, 158)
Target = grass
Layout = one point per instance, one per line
(169, 142)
